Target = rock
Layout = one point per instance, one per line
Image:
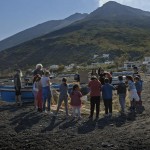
(112, 124)
(106, 144)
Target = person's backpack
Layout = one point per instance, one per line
(121, 89)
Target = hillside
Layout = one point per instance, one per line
(39, 30)
(112, 28)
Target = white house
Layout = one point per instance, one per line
(148, 67)
(95, 56)
(108, 62)
(146, 60)
(128, 65)
(105, 55)
(95, 64)
(54, 67)
(68, 68)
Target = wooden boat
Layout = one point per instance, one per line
(8, 94)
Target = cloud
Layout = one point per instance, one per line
(141, 4)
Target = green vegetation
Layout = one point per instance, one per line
(78, 42)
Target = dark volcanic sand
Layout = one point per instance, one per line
(24, 129)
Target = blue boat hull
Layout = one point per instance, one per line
(8, 94)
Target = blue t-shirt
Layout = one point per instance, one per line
(63, 90)
(107, 91)
(138, 86)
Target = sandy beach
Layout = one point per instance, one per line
(22, 128)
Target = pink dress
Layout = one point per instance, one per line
(76, 99)
(39, 96)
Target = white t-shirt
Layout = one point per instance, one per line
(44, 81)
(35, 87)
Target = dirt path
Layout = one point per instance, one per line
(24, 129)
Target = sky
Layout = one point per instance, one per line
(18, 15)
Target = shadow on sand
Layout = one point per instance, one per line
(25, 120)
(117, 121)
(68, 124)
(87, 126)
(14, 107)
(53, 124)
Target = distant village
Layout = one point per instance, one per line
(126, 65)
(107, 64)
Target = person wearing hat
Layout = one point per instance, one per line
(95, 90)
(17, 84)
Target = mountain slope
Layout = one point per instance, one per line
(115, 10)
(113, 28)
(39, 30)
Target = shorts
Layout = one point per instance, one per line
(18, 90)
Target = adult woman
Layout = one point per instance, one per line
(38, 70)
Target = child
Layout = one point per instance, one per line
(76, 100)
(35, 90)
(107, 96)
(39, 94)
(95, 90)
(63, 96)
(121, 90)
(132, 92)
(138, 85)
(46, 91)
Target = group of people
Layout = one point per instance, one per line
(101, 75)
(99, 86)
(42, 93)
(131, 83)
(42, 89)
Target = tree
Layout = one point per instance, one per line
(61, 68)
(120, 60)
(143, 68)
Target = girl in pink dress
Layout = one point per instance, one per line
(76, 101)
(39, 95)
(35, 90)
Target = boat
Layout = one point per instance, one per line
(8, 94)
